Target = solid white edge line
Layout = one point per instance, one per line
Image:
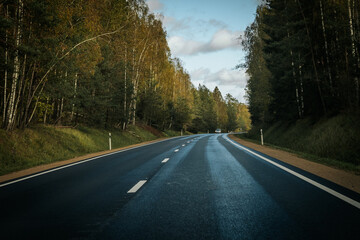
(137, 186)
(165, 160)
(306, 179)
(80, 162)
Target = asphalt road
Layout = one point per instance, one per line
(195, 187)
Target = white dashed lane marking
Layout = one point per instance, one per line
(137, 186)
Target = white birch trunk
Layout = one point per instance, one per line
(125, 90)
(21, 83)
(295, 82)
(136, 81)
(15, 75)
(6, 72)
(75, 90)
(301, 89)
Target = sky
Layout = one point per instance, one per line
(204, 34)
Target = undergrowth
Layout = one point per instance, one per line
(333, 141)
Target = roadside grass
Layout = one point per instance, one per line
(38, 145)
(333, 142)
(349, 167)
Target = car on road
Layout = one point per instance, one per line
(218, 130)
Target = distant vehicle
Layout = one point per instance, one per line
(218, 130)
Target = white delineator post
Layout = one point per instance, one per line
(262, 137)
(109, 141)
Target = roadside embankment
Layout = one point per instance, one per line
(330, 141)
(43, 147)
(343, 178)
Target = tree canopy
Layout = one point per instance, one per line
(100, 63)
(303, 59)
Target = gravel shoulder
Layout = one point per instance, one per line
(340, 177)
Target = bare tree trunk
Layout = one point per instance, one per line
(125, 91)
(296, 88)
(136, 81)
(29, 99)
(15, 75)
(295, 82)
(61, 109)
(326, 48)
(46, 109)
(353, 52)
(57, 108)
(313, 60)
(5, 72)
(58, 120)
(19, 96)
(36, 104)
(75, 90)
(132, 96)
(301, 89)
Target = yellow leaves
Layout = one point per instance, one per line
(243, 116)
(87, 57)
(92, 14)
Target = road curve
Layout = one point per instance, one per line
(194, 187)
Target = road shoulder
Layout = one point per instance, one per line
(340, 177)
(45, 167)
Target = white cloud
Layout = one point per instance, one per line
(180, 46)
(200, 73)
(223, 77)
(229, 78)
(155, 5)
(222, 39)
(228, 81)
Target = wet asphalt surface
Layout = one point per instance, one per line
(208, 189)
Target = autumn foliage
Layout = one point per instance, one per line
(98, 63)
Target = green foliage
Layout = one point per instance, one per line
(258, 86)
(303, 63)
(205, 115)
(100, 64)
(303, 60)
(231, 103)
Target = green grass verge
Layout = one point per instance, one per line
(349, 167)
(38, 145)
(333, 142)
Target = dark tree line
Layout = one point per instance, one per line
(303, 59)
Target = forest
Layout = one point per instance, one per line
(303, 60)
(105, 64)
